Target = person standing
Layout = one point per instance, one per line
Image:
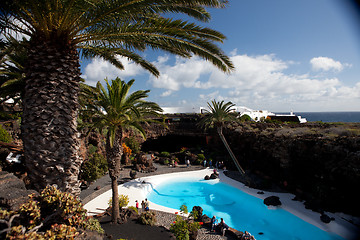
(205, 163)
(142, 206)
(146, 205)
(137, 205)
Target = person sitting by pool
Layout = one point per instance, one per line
(223, 226)
(216, 172)
(247, 236)
(213, 223)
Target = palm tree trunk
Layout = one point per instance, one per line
(222, 137)
(113, 156)
(49, 121)
(115, 214)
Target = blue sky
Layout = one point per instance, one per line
(301, 55)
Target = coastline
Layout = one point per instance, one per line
(139, 188)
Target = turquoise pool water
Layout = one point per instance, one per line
(239, 210)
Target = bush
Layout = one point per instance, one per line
(134, 208)
(165, 154)
(147, 218)
(4, 135)
(201, 157)
(56, 214)
(123, 201)
(133, 144)
(94, 168)
(182, 228)
(245, 118)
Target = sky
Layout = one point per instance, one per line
(300, 55)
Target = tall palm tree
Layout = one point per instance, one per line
(115, 110)
(57, 29)
(218, 114)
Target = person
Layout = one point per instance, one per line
(142, 206)
(210, 163)
(187, 162)
(223, 226)
(217, 164)
(213, 223)
(146, 205)
(216, 172)
(137, 205)
(246, 236)
(204, 163)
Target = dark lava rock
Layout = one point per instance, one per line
(272, 201)
(206, 220)
(213, 176)
(260, 192)
(12, 191)
(207, 177)
(325, 218)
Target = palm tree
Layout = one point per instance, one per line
(59, 32)
(13, 55)
(113, 109)
(218, 115)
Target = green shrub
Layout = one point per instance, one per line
(147, 218)
(4, 135)
(165, 154)
(59, 216)
(181, 228)
(245, 118)
(123, 201)
(92, 149)
(166, 162)
(184, 209)
(133, 144)
(201, 157)
(94, 168)
(134, 208)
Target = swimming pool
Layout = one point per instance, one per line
(239, 210)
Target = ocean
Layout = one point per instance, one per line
(329, 116)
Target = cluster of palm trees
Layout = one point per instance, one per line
(42, 72)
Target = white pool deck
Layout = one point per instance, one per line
(139, 188)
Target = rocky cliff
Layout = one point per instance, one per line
(318, 162)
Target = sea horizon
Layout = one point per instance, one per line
(333, 116)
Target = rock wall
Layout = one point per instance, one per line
(320, 163)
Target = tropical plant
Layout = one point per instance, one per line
(148, 218)
(182, 228)
(218, 114)
(50, 215)
(113, 109)
(13, 56)
(57, 29)
(123, 201)
(94, 168)
(4, 135)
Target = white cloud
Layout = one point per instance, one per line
(185, 73)
(327, 64)
(166, 93)
(99, 69)
(258, 82)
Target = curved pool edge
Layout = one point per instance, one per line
(139, 188)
